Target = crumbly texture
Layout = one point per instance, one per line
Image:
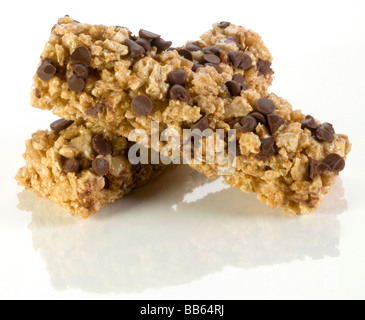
(115, 78)
(83, 192)
(281, 181)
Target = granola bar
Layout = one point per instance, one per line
(121, 82)
(290, 160)
(81, 167)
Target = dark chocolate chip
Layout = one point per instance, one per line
(265, 106)
(178, 92)
(142, 106)
(81, 55)
(177, 77)
(315, 169)
(60, 125)
(197, 65)
(335, 162)
(239, 78)
(171, 49)
(186, 54)
(213, 49)
(246, 62)
(71, 165)
(102, 146)
(81, 70)
(37, 93)
(309, 123)
(135, 49)
(192, 47)
(234, 88)
(218, 68)
(148, 35)
(259, 117)
(145, 44)
(224, 24)
(274, 122)
(267, 149)
(99, 108)
(236, 58)
(248, 124)
(76, 83)
(161, 44)
(211, 58)
(47, 70)
(324, 133)
(101, 166)
(329, 127)
(201, 125)
(263, 67)
(236, 41)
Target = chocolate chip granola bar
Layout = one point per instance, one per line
(81, 167)
(122, 82)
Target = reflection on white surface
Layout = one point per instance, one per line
(167, 234)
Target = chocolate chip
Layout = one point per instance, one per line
(335, 162)
(267, 149)
(324, 133)
(315, 168)
(161, 44)
(178, 92)
(47, 70)
(237, 58)
(201, 125)
(309, 123)
(246, 62)
(259, 117)
(135, 49)
(211, 58)
(192, 47)
(148, 35)
(76, 83)
(234, 88)
(177, 77)
(81, 55)
(274, 122)
(102, 146)
(329, 127)
(224, 24)
(248, 124)
(60, 125)
(218, 68)
(142, 106)
(238, 78)
(71, 165)
(197, 65)
(213, 49)
(99, 108)
(81, 70)
(145, 44)
(100, 166)
(263, 67)
(37, 93)
(236, 41)
(186, 54)
(265, 106)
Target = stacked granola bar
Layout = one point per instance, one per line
(108, 82)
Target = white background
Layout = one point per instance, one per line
(183, 236)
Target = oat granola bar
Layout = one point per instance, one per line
(290, 160)
(121, 82)
(81, 167)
